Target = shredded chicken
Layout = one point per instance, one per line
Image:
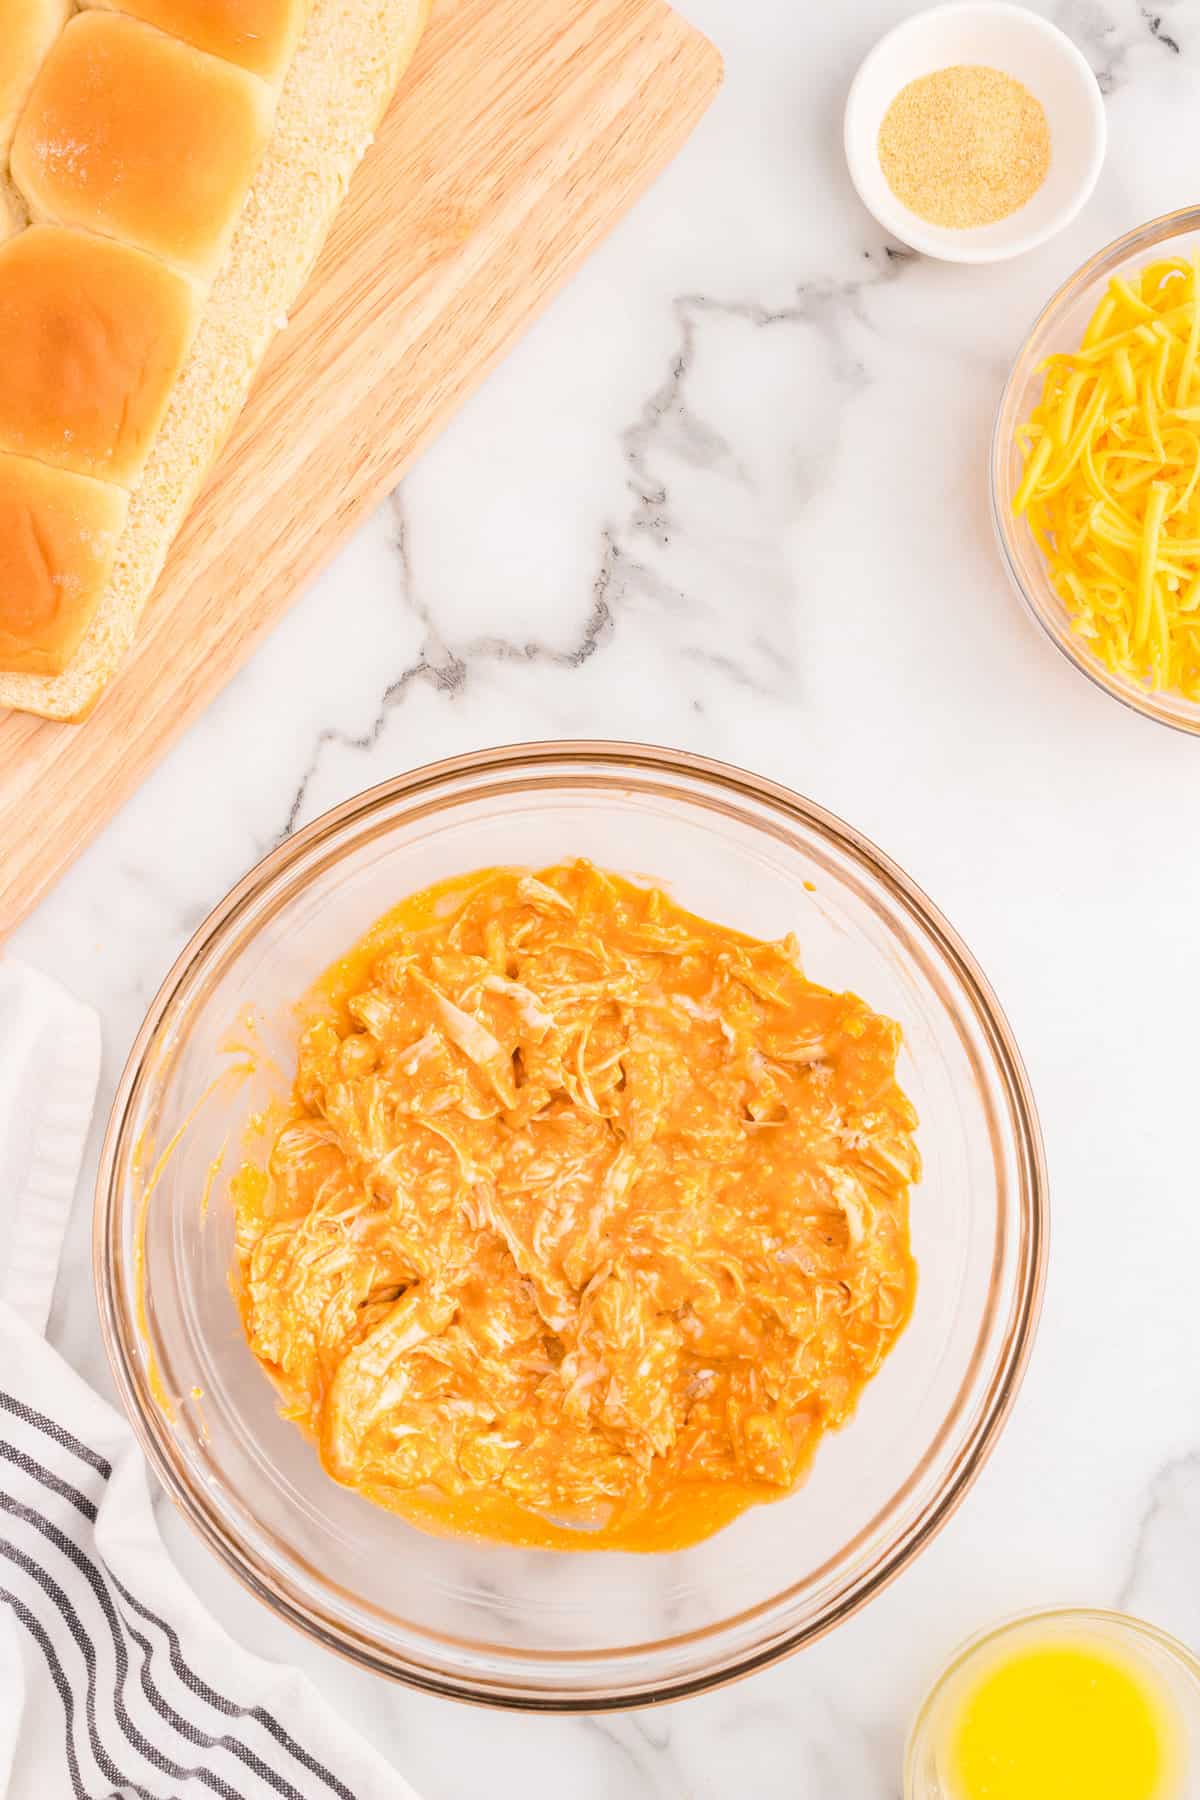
(586, 1213)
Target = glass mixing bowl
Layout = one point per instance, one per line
(546, 1629)
(1060, 326)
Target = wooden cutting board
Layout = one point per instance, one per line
(522, 132)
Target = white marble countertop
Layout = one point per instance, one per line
(730, 494)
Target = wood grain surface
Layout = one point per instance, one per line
(522, 132)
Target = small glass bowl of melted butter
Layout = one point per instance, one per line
(1068, 1704)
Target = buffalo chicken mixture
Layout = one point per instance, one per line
(586, 1218)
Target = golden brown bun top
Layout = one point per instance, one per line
(27, 30)
(58, 535)
(258, 34)
(138, 137)
(103, 331)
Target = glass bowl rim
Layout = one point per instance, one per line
(118, 1325)
(1154, 232)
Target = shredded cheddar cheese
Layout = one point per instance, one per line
(1111, 483)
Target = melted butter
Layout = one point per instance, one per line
(1063, 1720)
(586, 1219)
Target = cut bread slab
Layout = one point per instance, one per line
(345, 68)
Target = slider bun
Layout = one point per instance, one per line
(58, 539)
(139, 137)
(260, 35)
(27, 30)
(103, 332)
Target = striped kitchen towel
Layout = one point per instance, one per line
(114, 1681)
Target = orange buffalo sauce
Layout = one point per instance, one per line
(587, 1217)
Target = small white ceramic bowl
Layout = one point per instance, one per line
(1002, 37)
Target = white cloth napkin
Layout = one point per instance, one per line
(49, 1067)
(114, 1681)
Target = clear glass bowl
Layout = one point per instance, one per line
(536, 1628)
(1171, 1667)
(1060, 326)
